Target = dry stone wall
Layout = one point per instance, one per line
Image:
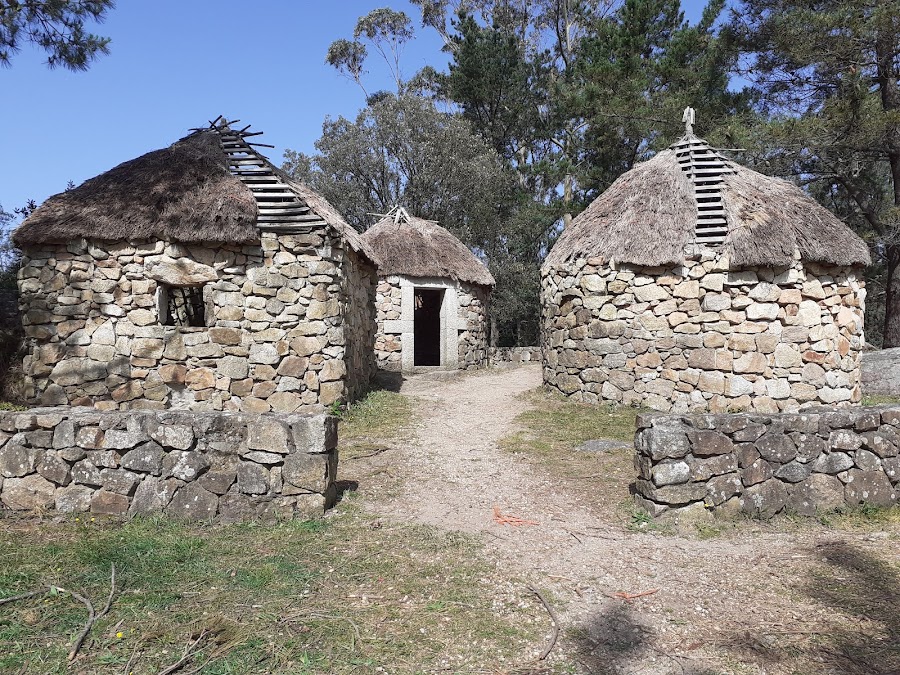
(515, 355)
(287, 319)
(189, 465)
(801, 463)
(703, 337)
(469, 302)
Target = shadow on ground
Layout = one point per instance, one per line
(616, 641)
(862, 595)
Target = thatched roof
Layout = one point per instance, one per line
(186, 192)
(648, 215)
(404, 244)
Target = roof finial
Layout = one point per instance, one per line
(688, 119)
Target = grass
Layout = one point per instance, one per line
(874, 399)
(556, 427)
(345, 595)
(382, 416)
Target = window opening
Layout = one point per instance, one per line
(184, 306)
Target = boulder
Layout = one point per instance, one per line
(28, 493)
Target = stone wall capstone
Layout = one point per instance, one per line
(819, 459)
(227, 466)
(702, 336)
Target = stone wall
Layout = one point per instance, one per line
(515, 355)
(278, 336)
(190, 465)
(881, 372)
(358, 299)
(465, 323)
(800, 463)
(703, 337)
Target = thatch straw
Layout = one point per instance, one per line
(181, 193)
(421, 248)
(647, 218)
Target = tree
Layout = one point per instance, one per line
(639, 68)
(57, 27)
(387, 31)
(827, 73)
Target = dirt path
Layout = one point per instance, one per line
(719, 601)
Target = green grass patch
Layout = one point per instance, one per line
(344, 596)
(875, 399)
(378, 418)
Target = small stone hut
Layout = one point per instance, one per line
(432, 297)
(198, 276)
(696, 284)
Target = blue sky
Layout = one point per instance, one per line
(175, 64)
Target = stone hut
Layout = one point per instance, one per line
(432, 297)
(198, 276)
(696, 284)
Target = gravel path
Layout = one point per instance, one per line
(717, 601)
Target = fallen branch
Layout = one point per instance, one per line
(92, 616)
(628, 597)
(553, 618)
(92, 613)
(189, 652)
(515, 521)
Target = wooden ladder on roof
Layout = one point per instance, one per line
(705, 167)
(279, 207)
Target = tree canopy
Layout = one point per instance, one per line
(57, 27)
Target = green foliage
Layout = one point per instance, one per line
(827, 79)
(57, 27)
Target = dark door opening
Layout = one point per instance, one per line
(427, 327)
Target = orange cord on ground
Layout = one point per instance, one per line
(515, 521)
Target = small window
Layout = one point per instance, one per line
(182, 306)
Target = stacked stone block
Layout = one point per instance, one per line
(702, 336)
(515, 355)
(290, 324)
(190, 465)
(800, 463)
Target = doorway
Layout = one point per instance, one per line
(427, 327)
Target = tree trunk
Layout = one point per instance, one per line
(494, 330)
(891, 334)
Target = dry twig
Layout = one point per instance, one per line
(553, 618)
(189, 652)
(628, 597)
(515, 521)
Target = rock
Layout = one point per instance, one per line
(217, 482)
(236, 508)
(308, 472)
(120, 481)
(673, 495)
(757, 472)
(74, 499)
(64, 435)
(867, 461)
(671, 473)
(123, 440)
(153, 495)
(880, 372)
(28, 493)
(192, 502)
(268, 434)
(146, 458)
(200, 378)
(703, 469)
(765, 499)
(85, 472)
(720, 489)
(54, 469)
(252, 479)
(818, 492)
(793, 472)
(775, 446)
(234, 367)
(177, 436)
(77, 371)
(173, 373)
(845, 440)
(178, 272)
(706, 443)
(868, 487)
(109, 503)
(832, 463)
(186, 466)
(89, 438)
(16, 459)
(601, 445)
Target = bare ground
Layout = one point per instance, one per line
(758, 598)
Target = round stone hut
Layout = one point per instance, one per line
(432, 296)
(697, 284)
(197, 276)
